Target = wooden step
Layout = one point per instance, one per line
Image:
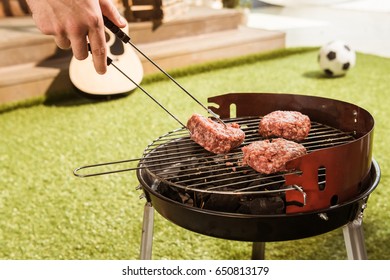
(21, 42)
(25, 81)
(197, 21)
(175, 53)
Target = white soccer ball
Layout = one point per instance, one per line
(336, 58)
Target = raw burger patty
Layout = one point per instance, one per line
(270, 156)
(290, 125)
(213, 136)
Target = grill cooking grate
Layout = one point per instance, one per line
(176, 160)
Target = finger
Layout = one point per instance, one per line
(97, 42)
(112, 13)
(80, 47)
(62, 42)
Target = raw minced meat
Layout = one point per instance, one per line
(291, 125)
(271, 156)
(214, 136)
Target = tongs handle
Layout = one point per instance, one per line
(126, 39)
(116, 30)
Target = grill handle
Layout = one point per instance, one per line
(298, 188)
(77, 173)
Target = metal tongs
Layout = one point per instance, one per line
(126, 39)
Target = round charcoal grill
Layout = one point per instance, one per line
(215, 195)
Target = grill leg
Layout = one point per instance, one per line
(147, 232)
(354, 239)
(258, 251)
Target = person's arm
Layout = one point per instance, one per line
(73, 23)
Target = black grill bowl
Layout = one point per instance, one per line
(258, 228)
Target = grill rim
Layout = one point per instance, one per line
(294, 102)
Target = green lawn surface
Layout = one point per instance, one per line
(47, 213)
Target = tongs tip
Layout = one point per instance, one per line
(217, 117)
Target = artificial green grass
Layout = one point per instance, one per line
(47, 213)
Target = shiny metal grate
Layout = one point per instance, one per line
(176, 160)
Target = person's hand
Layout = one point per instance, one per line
(76, 22)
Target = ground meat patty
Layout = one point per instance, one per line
(290, 125)
(213, 136)
(270, 156)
